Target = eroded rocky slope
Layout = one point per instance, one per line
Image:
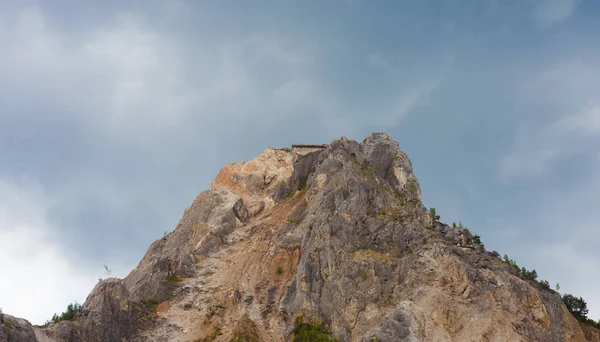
(339, 236)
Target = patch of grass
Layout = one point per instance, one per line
(8, 325)
(370, 255)
(364, 167)
(365, 275)
(391, 214)
(213, 336)
(279, 270)
(152, 304)
(245, 330)
(304, 332)
(411, 185)
(244, 338)
(175, 279)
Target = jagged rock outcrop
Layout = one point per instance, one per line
(13, 329)
(339, 236)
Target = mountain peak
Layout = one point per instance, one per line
(329, 240)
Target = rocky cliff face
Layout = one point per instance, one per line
(338, 236)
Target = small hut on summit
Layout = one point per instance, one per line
(304, 149)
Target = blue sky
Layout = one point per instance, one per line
(113, 118)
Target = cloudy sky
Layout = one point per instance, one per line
(114, 115)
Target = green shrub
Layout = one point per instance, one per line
(307, 332)
(73, 310)
(512, 263)
(544, 283)
(579, 310)
(577, 306)
(432, 213)
(526, 274)
(107, 270)
(279, 270)
(530, 275)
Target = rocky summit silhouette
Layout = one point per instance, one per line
(331, 244)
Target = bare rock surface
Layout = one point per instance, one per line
(14, 329)
(339, 236)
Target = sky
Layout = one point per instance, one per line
(114, 115)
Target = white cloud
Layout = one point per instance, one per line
(377, 60)
(564, 120)
(551, 12)
(568, 265)
(272, 49)
(407, 100)
(145, 89)
(567, 253)
(537, 149)
(560, 125)
(38, 279)
(417, 96)
(134, 84)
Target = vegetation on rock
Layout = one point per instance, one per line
(357, 241)
(73, 310)
(152, 304)
(307, 332)
(432, 213)
(578, 307)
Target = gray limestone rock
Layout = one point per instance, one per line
(339, 236)
(13, 329)
(109, 314)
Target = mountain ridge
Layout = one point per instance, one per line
(338, 237)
